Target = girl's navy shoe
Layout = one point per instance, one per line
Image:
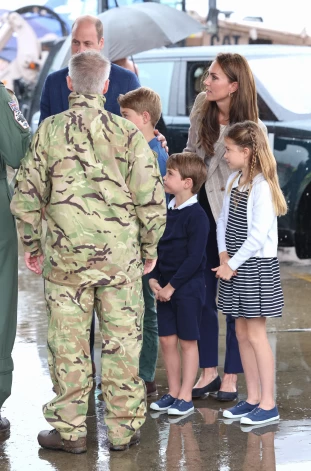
(260, 416)
(240, 410)
(164, 403)
(181, 407)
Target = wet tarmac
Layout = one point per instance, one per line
(201, 441)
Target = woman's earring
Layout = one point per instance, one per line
(230, 94)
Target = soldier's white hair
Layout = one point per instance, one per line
(89, 71)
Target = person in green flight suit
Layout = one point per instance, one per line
(14, 140)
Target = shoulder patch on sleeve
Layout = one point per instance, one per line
(18, 116)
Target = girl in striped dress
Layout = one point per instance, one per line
(250, 287)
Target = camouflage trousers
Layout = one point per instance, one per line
(120, 314)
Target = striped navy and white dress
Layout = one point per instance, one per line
(256, 289)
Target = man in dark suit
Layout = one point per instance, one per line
(87, 33)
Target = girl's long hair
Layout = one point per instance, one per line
(243, 104)
(249, 134)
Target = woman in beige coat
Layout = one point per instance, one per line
(229, 97)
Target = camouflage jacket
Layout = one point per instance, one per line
(101, 186)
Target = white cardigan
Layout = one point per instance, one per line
(262, 233)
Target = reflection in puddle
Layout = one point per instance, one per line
(203, 441)
(190, 442)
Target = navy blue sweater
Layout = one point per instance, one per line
(182, 248)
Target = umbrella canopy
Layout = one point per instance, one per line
(143, 26)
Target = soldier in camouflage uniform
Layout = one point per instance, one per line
(101, 188)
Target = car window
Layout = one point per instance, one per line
(286, 79)
(292, 155)
(195, 76)
(158, 76)
(196, 72)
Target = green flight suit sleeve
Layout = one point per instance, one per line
(14, 130)
(145, 184)
(32, 192)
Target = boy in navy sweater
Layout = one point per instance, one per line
(178, 280)
(143, 108)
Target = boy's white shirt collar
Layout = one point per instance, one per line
(189, 202)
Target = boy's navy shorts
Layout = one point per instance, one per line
(181, 315)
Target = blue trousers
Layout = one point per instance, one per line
(209, 328)
(209, 331)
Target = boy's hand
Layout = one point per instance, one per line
(165, 294)
(224, 257)
(154, 286)
(34, 263)
(149, 265)
(224, 272)
(162, 139)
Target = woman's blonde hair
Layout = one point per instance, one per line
(250, 135)
(243, 104)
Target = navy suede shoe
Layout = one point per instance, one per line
(212, 387)
(224, 396)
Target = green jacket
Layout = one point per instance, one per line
(101, 186)
(14, 132)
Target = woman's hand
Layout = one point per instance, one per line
(162, 139)
(224, 258)
(165, 294)
(154, 286)
(224, 272)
